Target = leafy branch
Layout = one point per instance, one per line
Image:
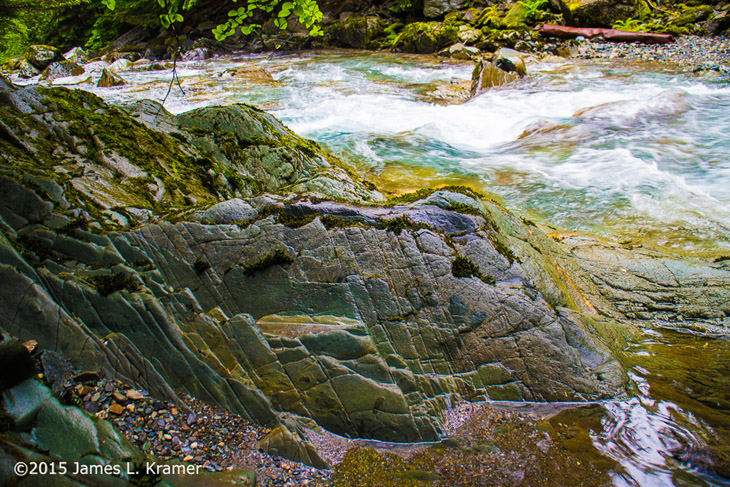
(532, 6)
(306, 11)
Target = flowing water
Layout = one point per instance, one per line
(631, 152)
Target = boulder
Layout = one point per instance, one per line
(511, 61)
(197, 54)
(506, 66)
(62, 69)
(77, 55)
(120, 65)
(460, 51)
(5, 84)
(231, 212)
(437, 8)
(468, 35)
(425, 37)
(601, 13)
(40, 56)
(26, 70)
(108, 79)
(356, 32)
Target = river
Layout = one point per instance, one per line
(633, 153)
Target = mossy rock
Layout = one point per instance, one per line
(600, 13)
(357, 32)
(425, 37)
(40, 56)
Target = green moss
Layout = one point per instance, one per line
(33, 247)
(503, 249)
(70, 228)
(397, 225)
(463, 267)
(107, 284)
(425, 37)
(330, 222)
(201, 265)
(277, 257)
(366, 467)
(286, 217)
(722, 258)
(426, 192)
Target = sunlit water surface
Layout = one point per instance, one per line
(625, 151)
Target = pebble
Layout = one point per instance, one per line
(692, 54)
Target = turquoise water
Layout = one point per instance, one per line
(630, 152)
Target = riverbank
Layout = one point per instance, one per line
(691, 53)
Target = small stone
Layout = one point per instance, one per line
(167, 437)
(116, 409)
(173, 411)
(82, 390)
(119, 397)
(134, 395)
(30, 345)
(188, 458)
(130, 408)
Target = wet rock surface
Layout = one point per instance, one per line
(364, 320)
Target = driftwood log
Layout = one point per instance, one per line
(613, 35)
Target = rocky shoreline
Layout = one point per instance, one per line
(690, 53)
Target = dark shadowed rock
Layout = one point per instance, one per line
(437, 8)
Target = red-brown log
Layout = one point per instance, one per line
(613, 35)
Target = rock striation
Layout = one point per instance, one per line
(291, 297)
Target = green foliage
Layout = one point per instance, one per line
(107, 284)
(401, 6)
(306, 11)
(532, 6)
(286, 217)
(397, 225)
(632, 25)
(201, 265)
(463, 267)
(277, 257)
